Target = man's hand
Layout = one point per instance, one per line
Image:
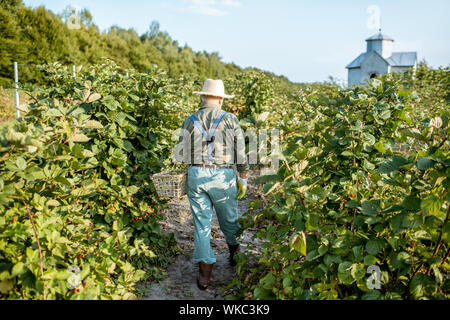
(243, 175)
(242, 185)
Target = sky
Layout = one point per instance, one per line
(304, 40)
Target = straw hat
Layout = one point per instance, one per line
(214, 88)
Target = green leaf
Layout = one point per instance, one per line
(405, 117)
(80, 137)
(446, 232)
(268, 178)
(263, 294)
(347, 154)
(322, 250)
(80, 192)
(371, 295)
(411, 203)
(371, 207)
(368, 165)
(370, 260)
(21, 163)
(77, 151)
(358, 271)
(298, 243)
(117, 225)
(88, 154)
(399, 260)
(411, 221)
(93, 124)
(53, 203)
(392, 165)
(431, 205)
(18, 269)
(134, 97)
(312, 222)
(268, 281)
(369, 139)
(418, 286)
(270, 187)
(422, 234)
(111, 103)
(379, 146)
(424, 164)
(130, 295)
(63, 157)
(385, 115)
(374, 246)
(138, 275)
(358, 252)
(415, 133)
(63, 181)
(6, 286)
(352, 204)
(53, 113)
(94, 97)
(345, 273)
(85, 271)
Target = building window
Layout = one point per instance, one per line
(373, 76)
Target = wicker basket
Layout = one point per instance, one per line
(170, 184)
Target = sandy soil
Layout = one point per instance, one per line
(180, 284)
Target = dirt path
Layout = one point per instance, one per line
(180, 284)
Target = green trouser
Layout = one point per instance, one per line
(208, 188)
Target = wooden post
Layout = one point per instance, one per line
(74, 72)
(16, 86)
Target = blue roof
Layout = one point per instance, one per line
(398, 59)
(379, 36)
(357, 62)
(402, 59)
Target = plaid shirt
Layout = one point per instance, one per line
(228, 134)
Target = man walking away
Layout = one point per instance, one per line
(212, 181)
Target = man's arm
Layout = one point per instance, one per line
(184, 143)
(239, 150)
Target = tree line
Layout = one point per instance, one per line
(37, 36)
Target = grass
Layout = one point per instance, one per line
(4, 126)
(8, 104)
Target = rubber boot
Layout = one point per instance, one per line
(204, 276)
(233, 250)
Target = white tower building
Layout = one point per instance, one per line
(379, 59)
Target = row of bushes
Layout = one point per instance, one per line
(75, 186)
(347, 197)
